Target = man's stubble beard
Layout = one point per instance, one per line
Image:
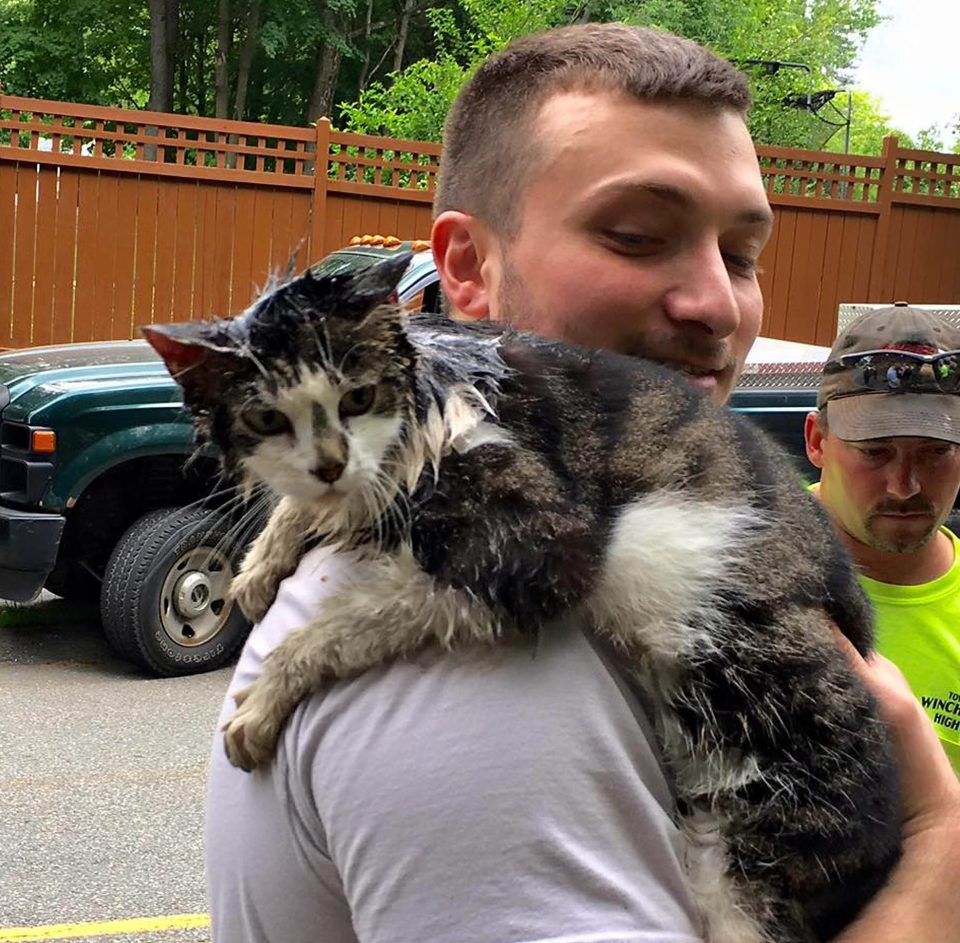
(516, 308)
(904, 545)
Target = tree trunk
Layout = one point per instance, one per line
(248, 50)
(325, 84)
(163, 53)
(402, 31)
(328, 68)
(183, 81)
(365, 66)
(221, 70)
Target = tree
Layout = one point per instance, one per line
(164, 24)
(413, 102)
(822, 35)
(60, 49)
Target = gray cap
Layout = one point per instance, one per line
(856, 413)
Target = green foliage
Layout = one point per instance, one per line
(413, 103)
(936, 136)
(823, 35)
(59, 49)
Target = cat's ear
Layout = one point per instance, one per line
(196, 353)
(375, 285)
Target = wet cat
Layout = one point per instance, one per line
(494, 481)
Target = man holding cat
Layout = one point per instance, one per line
(599, 185)
(887, 440)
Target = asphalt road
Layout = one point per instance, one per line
(102, 777)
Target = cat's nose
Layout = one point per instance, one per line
(328, 471)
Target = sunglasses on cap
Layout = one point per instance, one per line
(900, 371)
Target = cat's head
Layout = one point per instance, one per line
(310, 390)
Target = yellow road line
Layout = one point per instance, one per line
(72, 931)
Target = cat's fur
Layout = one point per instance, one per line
(499, 481)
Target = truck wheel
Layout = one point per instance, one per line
(164, 601)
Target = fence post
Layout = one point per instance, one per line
(318, 208)
(881, 280)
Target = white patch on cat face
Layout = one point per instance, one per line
(285, 461)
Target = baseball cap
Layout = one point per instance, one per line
(923, 409)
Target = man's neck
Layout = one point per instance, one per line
(928, 563)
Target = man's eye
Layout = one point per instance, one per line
(741, 264)
(266, 422)
(357, 401)
(632, 241)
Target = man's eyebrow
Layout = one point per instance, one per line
(682, 198)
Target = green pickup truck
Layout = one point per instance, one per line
(98, 501)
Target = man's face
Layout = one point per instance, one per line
(639, 233)
(889, 494)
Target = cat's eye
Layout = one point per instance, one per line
(266, 421)
(357, 401)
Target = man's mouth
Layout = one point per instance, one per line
(704, 368)
(703, 378)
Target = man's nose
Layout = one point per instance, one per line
(704, 293)
(902, 481)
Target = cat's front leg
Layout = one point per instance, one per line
(389, 609)
(272, 557)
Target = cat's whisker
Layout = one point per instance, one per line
(237, 535)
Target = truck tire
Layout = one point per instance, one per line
(164, 601)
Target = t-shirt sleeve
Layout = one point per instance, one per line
(499, 796)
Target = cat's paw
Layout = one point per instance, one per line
(250, 735)
(254, 593)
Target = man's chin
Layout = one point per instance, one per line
(891, 536)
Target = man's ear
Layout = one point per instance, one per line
(461, 248)
(813, 437)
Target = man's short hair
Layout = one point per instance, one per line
(488, 152)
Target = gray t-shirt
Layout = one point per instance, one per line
(502, 796)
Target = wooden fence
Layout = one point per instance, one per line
(110, 219)
(857, 229)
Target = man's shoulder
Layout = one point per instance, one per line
(536, 706)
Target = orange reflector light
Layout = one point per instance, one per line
(388, 242)
(43, 440)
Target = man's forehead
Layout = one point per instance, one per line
(566, 111)
(666, 148)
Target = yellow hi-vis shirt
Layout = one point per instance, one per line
(918, 629)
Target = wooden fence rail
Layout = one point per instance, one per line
(110, 219)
